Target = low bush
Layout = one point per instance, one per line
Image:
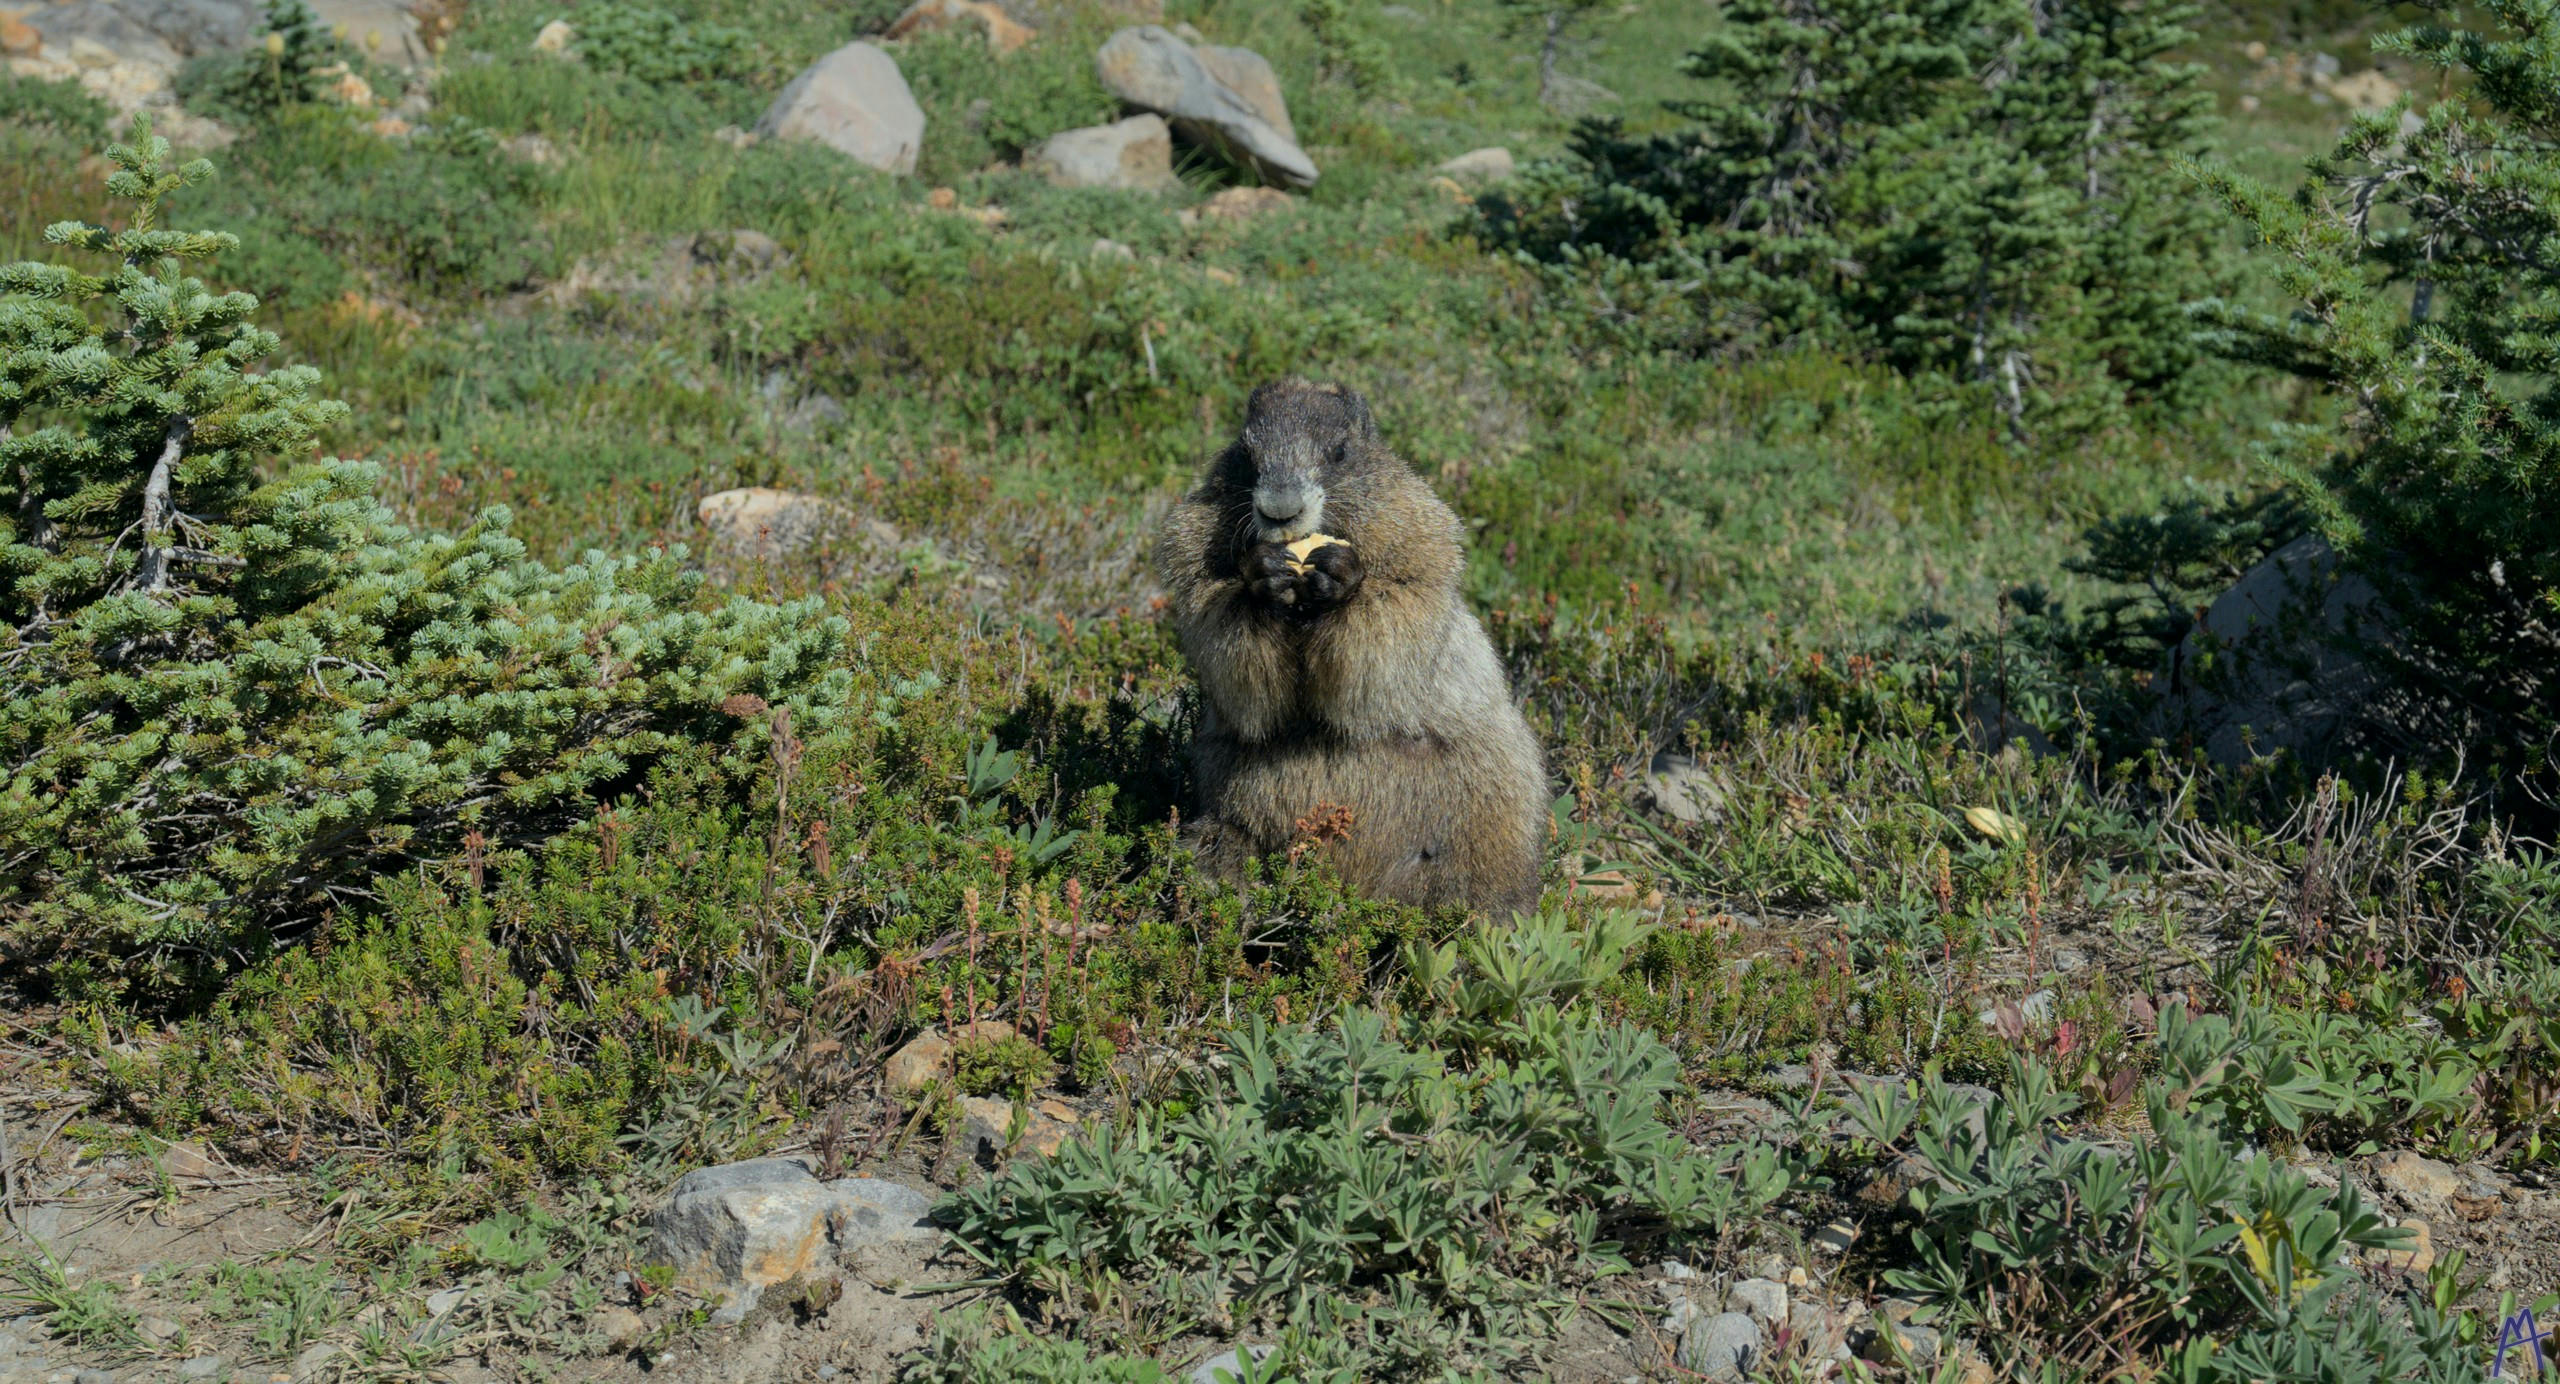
(1410, 1192)
(2178, 1246)
(229, 697)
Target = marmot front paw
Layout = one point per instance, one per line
(1330, 576)
(1271, 574)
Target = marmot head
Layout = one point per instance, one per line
(1304, 445)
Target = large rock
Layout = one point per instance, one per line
(2269, 669)
(732, 1231)
(763, 520)
(1248, 74)
(1151, 69)
(1724, 1347)
(1135, 154)
(855, 101)
(165, 33)
(934, 16)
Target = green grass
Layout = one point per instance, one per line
(1783, 565)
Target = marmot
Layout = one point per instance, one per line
(1351, 677)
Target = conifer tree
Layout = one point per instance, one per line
(231, 687)
(2429, 302)
(1977, 191)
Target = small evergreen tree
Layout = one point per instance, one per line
(2430, 294)
(1978, 191)
(1554, 21)
(231, 687)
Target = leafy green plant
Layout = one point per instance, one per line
(229, 697)
(1011, 1065)
(1423, 1195)
(2070, 1248)
(659, 46)
(66, 107)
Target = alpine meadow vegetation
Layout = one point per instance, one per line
(428, 818)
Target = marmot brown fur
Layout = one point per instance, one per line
(1356, 679)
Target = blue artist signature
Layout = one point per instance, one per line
(2522, 1333)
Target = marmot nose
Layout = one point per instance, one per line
(1281, 506)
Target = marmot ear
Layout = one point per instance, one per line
(1357, 407)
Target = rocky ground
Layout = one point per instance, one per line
(769, 1270)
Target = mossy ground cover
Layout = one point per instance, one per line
(1784, 565)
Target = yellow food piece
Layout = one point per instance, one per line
(1305, 547)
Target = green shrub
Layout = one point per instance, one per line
(66, 106)
(2183, 1248)
(1416, 1198)
(2423, 317)
(1974, 192)
(658, 46)
(229, 698)
(1012, 1065)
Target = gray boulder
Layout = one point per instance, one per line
(1135, 155)
(1489, 165)
(1726, 1346)
(165, 33)
(1149, 68)
(1248, 74)
(2268, 671)
(853, 100)
(732, 1231)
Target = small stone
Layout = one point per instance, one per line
(1814, 1323)
(1683, 1312)
(2415, 1255)
(621, 1327)
(1245, 204)
(531, 148)
(2416, 1179)
(1489, 165)
(1797, 1277)
(1227, 1366)
(1673, 1268)
(201, 1367)
(1835, 1238)
(1891, 1341)
(1060, 1111)
(1132, 155)
(555, 37)
(1763, 1301)
(1726, 1346)
(443, 1303)
(313, 1359)
(186, 1160)
(157, 1329)
(870, 1211)
(1113, 250)
(1003, 35)
(917, 1065)
(990, 1127)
